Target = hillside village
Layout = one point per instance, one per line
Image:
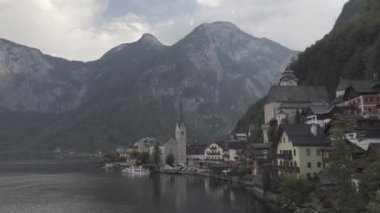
(298, 136)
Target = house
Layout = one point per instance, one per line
(235, 149)
(321, 114)
(195, 154)
(259, 156)
(363, 95)
(216, 151)
(299, 150)
(241, 136)
(144, 144)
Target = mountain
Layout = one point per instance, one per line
(351, 50)
(134, 89)
(32, 81)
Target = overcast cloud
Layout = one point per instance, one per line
(86, 29)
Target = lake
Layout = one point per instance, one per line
(77, 186)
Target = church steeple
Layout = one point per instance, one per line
(180, 120)
(288, 78)
(180, 132)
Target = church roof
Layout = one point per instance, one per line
(297, 94)
(171, 140)
(288, 74)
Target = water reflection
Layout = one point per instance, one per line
(80, 187)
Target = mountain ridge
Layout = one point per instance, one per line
(133, 92)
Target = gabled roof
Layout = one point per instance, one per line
(297, 94)
(321, 109)
(300, 135)
(361, 86)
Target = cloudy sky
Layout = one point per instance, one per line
(85, 29)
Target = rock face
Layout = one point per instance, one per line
(32, 81)
(133, 90)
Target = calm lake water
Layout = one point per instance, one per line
(77, 186)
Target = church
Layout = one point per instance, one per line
(176, 145)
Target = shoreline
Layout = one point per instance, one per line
(257, 191)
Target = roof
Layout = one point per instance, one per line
(297, 94)
(358, 85)
(237, 145)
(364, 143)
(195, 149)
(300, 135)
(288, 74)
(256, 146)
(294, 105)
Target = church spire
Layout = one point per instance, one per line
(180, 110)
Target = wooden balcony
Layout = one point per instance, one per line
(285, 156)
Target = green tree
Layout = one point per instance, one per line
(343, 193)
(156, 154)
(170, 159)
(143, 157)
(295, 192)
(273, 135)
(370, 181)
(374, 205)
(266, 181)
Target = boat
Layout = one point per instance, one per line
(138, 170)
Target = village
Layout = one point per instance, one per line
(298, 138)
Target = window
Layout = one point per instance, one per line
(318, 152)
(308, 164)
(308, 175)
(283, 139)
(319, 164)
(369, 109)
(295, 163)
(294, 152)
(307, 152)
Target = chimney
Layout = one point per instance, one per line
(313, 129)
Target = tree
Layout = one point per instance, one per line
(156, 154)
(343, 193)
(370, 181)
(273, 136)
(143, 157)
(170, 159)
(266, 181)
(295, 191)
(374, 205)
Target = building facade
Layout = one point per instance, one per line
(299, 150)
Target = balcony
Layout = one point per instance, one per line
(285, 156)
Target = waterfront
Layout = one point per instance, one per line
(77, 186)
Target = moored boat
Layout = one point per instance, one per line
(139, 170)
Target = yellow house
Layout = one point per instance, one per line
(299, 150)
